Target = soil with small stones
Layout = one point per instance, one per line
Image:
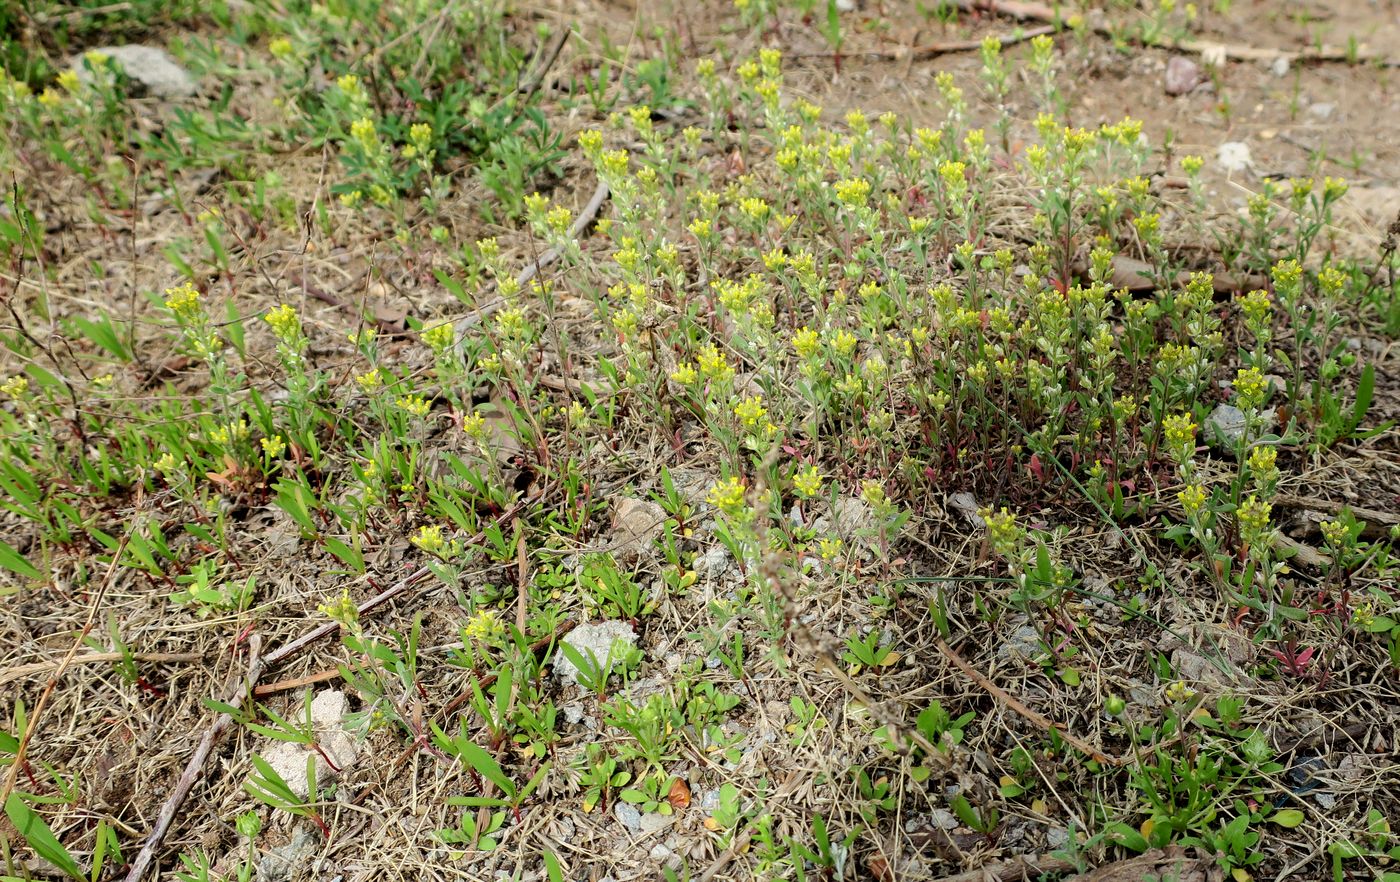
(127, 739)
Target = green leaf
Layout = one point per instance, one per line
(40, 838)
(17, 563)
(1288, 818)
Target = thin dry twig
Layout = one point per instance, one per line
(585, 217)
(941, 47)
(295, 682)
(1019, 707)
(194, 768)
(19, 672)
(1023, 867)
(1041, 12)
(285, 652)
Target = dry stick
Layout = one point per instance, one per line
(944, 47)
(283, 653)
(1016, 868)
(296, 682)
(26, 670)
(1019, 707)
(194, 767)
(1041, 12)
(585, 217)
(33, 724)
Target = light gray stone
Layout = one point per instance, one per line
(1234, 156)
(288, 759)
(599, 638)
(654, 821)
(636, 524)
(1182, 75)
(628, 816)
(152, 67)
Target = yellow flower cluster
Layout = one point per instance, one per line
(727, 495)
(285, 323)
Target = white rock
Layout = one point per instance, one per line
(340, 747)
(598, 638)
(653, 821)
(1279, 67)
(151, 66)
(1322, 110)
(1234, 156)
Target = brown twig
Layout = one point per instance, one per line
(285, 652)
(1023, 867)
(1024, 11)
(295, 682)
(30, 669)
(1019, 707)
(942, 47)
(585, 217)
(194, 768)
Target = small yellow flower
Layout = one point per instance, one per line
(1180, 432)
(807, 481)
(727, 495)
(370, 381)
(429, 539)
(273, 447)
(341, 609)
(1003, 532)
(280, 48)
(1192, 499)
(68, 81)
(1253, 517)
(414, 404)
(474, 425)
(751, 411)
(830, 549)
(1250, 387)
(484, 627)
(807, 342)
(182, 300)
(1335, 533)
(1178, 692)
(686, 374)
(439, 338)
(285, 323)
(844, 342)
(15, 387)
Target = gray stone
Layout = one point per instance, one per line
(1323, 110)
(854, 517)
(152, 67)
(628, 816)
(943, 819)
(1225, 425)
(288, 759)
(714, 563)
(1022, 645)
(1279, 67)
(288, 861)
(1056, 837)
(599, 638)
(1234, 156)
(654, 821)
(1182, 75)
(636, 524)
